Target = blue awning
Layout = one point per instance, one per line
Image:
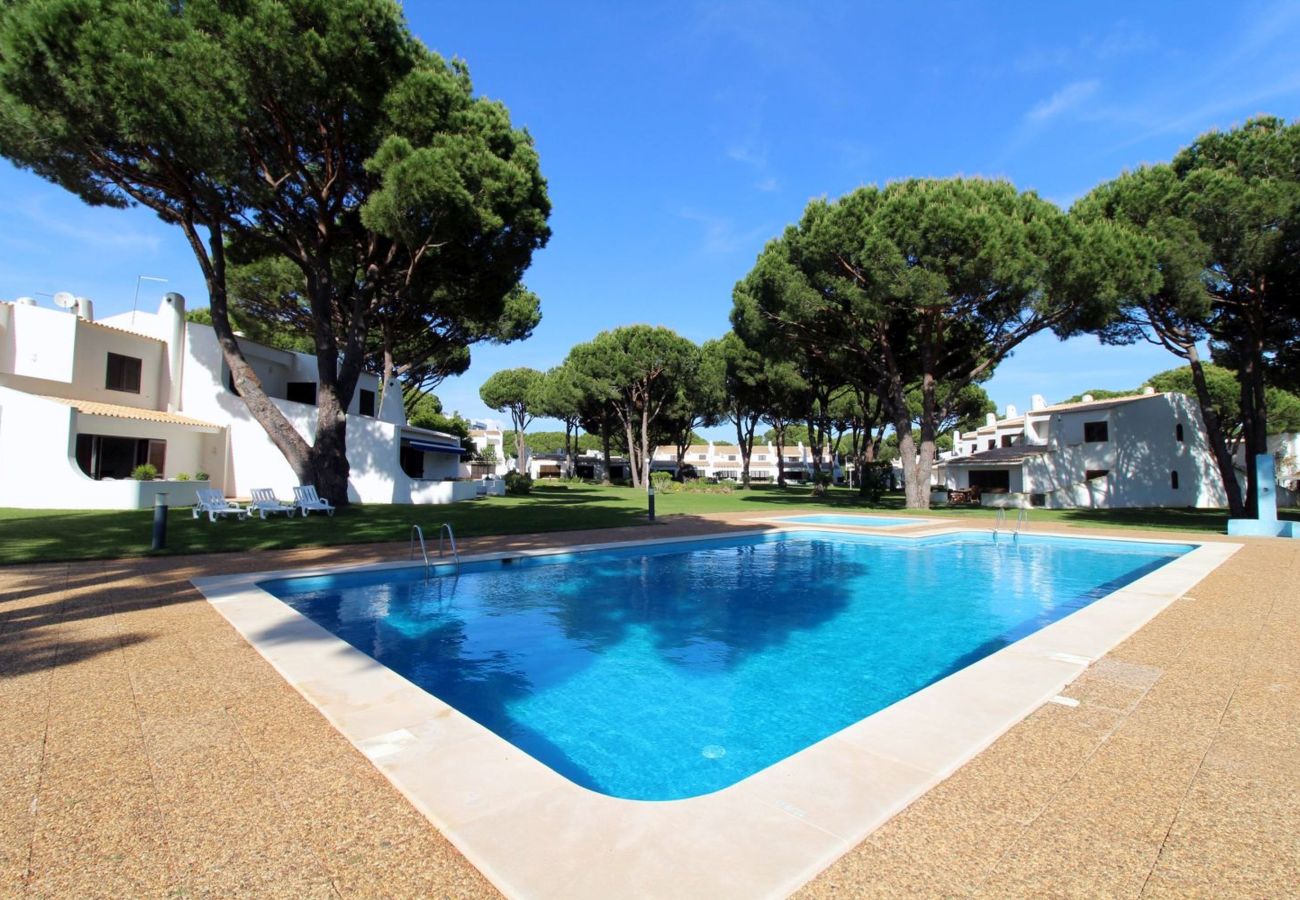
(433, 448)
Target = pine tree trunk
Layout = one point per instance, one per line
(1214, 434)
(296, 450)
(604, 450)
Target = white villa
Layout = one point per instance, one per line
(488, 435)
(82, 403)
(724, 461)
(1145, 450)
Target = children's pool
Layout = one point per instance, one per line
(668, 671)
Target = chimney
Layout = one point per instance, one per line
(991, 419)
(1038, 401)
(171, 327)
(1011, 411)
(85, 309)
(1147, 390)
(26, 301)
(391, 409)
(1087, 398)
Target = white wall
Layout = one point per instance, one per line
(1140, 455)
(52, 352)
(38, 468)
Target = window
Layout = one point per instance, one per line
(301, 392)
(731, 457)
(1090, 474)
(1096, 432)
(411, 461)
(108, 456)
(762, 457)
(123, 374)
(991, 445)
(1173, 480)
(701, 456)
(991, 481)
(1009, 440)
(365, 404)
(1178, 435)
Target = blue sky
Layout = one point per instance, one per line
(677, 138)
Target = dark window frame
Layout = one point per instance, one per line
(1090, 474)
(1178, 432)
(365, 398)
(1092, 429)
(122, 373)
(1173, 479)
(298, 387)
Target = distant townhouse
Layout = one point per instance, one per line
(725, 462)
(1144, 450)
(489, 442)
(84, 402)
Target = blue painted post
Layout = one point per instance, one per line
(1267, 487)
(1265, 523)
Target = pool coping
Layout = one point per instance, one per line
(534, 833)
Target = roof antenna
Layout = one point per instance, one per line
(136, 302)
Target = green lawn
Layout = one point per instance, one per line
(48, 535)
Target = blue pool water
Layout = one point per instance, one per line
(667, 671)
(862, 521)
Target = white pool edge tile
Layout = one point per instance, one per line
(534, 833)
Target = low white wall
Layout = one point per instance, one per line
(130, 494)
(439, 492)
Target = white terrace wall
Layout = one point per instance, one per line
(52, 352)
(38, 468)
(252, 461)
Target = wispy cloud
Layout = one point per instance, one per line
(1067, 98)
(1121, 39)
(721, 236)
(1257, 66)
(76, 227)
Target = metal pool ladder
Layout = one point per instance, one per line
(1000, 521)
(417, 533)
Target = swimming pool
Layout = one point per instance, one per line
(665, 672)
(860, 521)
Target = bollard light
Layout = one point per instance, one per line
(159, 521)
(650, 497)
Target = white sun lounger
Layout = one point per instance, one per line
(265, 502)
(307, 499)
(212, 502)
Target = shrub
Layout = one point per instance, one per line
(200, 476)
(144, 472)
(518, 483)
(182, 476)
(662, 482)
(821, 483)
(875, 479)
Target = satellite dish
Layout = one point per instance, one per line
(65, 300)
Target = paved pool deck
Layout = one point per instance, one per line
(147, 750)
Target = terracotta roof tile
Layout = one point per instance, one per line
(115, 411)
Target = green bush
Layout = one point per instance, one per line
(200, 476)
(182, 476)
(662, 482)
(518, 483)
(144, 472)
(875, 479)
